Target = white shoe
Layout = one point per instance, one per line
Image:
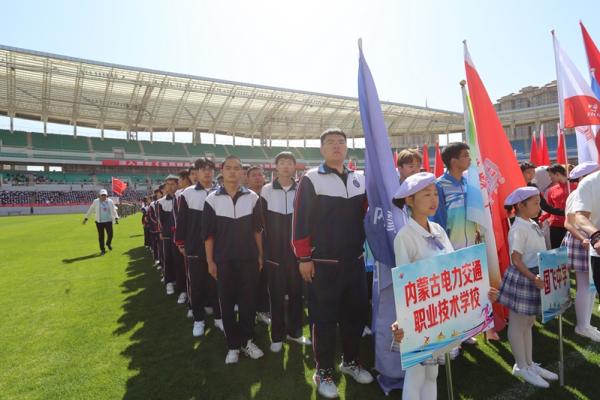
(208, 310)
(263, 317)
(300, 340)
(589, 332)
(198, 329)
(471, 340)
(170, 288)
(236, 308)
(252, 350)
(325, 385)
(219, 325)
(367, 331)
(156, 262)
(233, 356)
(544, 373)
(162, 280)
(158, 267)
(453, 354)
(190, 314)
(530, 376)
(276, 347)
(182, 298)
(359, 374)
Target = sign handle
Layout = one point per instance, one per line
(449, 376)
(561, 362)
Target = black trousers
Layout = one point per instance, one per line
(104, 226)
(557, 234)
(202, 288)
(337, 295)
(147, 241)
(168, 259)
(179, 265)
(156, 246)
(262, 300)
(237, 282)
(595, 265)
(285, 278)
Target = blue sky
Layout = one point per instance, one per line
(414, 48)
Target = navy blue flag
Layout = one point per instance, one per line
(383, 219)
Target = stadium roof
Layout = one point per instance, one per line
(52, 88)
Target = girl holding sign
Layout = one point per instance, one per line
(521, 284)
(418, 239)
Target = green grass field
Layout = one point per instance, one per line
(74, 325)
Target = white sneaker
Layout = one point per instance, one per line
(156, 262)
(162, 280)
(359, 374)
(190, 314)
(325, 385)
(367, 331)
(236, 308)
(219, 325)
(182, 298)
(276, 347)
(471, 340)
(233, 356)
(589, 332)
(300, 340)
(198, 329)
(170, 288)
(453, 354)
(208, 310)
(252, 350)
(544, 373)
(530, 376)
(263, 317)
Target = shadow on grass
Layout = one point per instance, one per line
(82, 258)
(168, 363)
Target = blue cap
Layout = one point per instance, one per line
(414, 183)
(521, 194)
(583, 169)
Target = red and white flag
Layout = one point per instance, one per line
(534, 154)
(577, 103)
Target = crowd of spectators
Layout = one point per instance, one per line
(15, 197)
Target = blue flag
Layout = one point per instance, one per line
(383, 219)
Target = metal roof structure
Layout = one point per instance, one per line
(53, 88)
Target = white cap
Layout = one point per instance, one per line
(103, 192)
(413, 184)
(583, 169)
(521, 194)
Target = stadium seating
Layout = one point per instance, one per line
(107, 145)
(15, 139)
(164, 149)
(59, 143)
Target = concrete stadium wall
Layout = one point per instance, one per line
(4, 211)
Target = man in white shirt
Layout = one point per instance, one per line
(587, 218)
(105, 215)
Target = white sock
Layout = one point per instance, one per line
(413, 382)
(429, 389)
(584, 300)
(529, 340)
(517, 325)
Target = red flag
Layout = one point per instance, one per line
(351, 165)
(561, 151)
(438, 166)
(425, 164)
(534, 156)
(118, 186)
(502, 173)
(544, 155)
(395, 158)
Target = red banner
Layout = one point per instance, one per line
(177, 164)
